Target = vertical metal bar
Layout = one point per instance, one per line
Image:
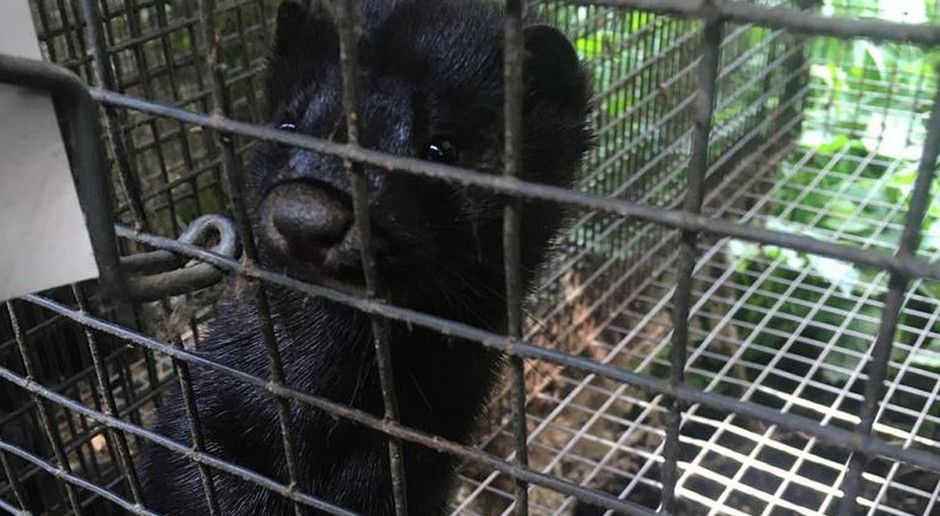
(347, 17)
(894, 301)
(195, 433)
(512, 221)
(795, 82)
(110, 406)
(61, 461)
(112, 123)
(698, 165)
(235, 186)
(15, 486)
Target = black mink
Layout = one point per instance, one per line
(432, 88)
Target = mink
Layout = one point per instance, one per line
(431, 87)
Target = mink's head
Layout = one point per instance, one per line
(431, 87)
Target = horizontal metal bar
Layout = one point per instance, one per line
(399, 164)
(837, 436)
(792, 20)
(332, 407)
(72, 479)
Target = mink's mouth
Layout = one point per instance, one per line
(307, 229)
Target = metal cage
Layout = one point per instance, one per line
(707, 340)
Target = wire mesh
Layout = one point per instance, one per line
(765, 329)
(769, 326)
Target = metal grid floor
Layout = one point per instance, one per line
(763, 329)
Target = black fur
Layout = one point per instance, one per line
(431, 69)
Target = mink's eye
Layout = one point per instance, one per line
(440, 150)
(287, 126)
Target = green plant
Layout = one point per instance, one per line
(863, 136)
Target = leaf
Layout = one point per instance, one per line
(843, 207)
(591, 46)
(903, 180)
(824, 72)
(638, 20)
(846, 225)
(928, 356)
(887, 135)
(834, 145)
(617, 104)
(741, 253)
(877, 57)
(841, 274)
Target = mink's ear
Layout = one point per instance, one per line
(552, 70)
(556, 107)
(303, 26)
(305, 40)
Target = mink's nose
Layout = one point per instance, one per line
(309, 219)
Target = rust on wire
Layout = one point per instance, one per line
(894, 302)
(347, 17)
(235, 183)
(512, 220)
(688, 252)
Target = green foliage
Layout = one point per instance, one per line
(849, 180)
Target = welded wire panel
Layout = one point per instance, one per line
(771, 326)
(154, 51)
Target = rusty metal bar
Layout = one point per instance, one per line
(112, 123)
(106, 393)
(235, 185)
(347, 18)
(894, 302)
(68, 478)
(15, 485)
(682, 299)
(791, 20)
(903, 267)
(513, 64)
(228, 245)
(281, 391)
(48, 427)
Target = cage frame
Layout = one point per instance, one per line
(903, 265)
